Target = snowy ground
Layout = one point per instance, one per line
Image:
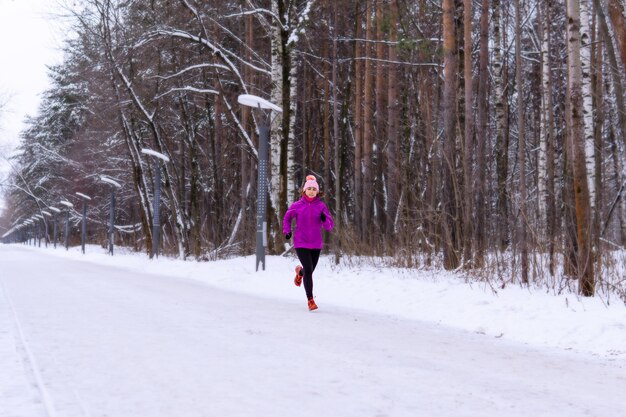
(93, 335)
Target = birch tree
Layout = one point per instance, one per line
(288, 25)
(482, 138)
(500, 121)
(393, 108)
(585, 61)
(547, 134)
(521, 143)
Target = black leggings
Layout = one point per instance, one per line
(308, 259)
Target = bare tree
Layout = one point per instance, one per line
(481, 137)
(617, 14)
(502, 145)
(581, 192)
(448, 197)
(546, 163)
(521, 144)
(468, 145)
(366, 202)
(393, 146)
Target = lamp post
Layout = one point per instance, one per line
(35, 227)
(26, 232)
(38, 218)
(45, 226)
(264, 132)
(83, 229)
(54, 233)
(32, 234)
(114, 184)
(156, 215)
(67, 220)
(36, 230)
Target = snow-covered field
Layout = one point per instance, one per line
(94, 335)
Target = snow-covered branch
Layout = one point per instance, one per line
(190, 68)
(259, 11)
(155, 154)
(188, 88)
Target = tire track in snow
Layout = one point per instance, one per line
(45, 395)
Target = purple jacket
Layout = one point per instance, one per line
(308, 232)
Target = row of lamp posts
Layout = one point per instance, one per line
(265, 109)
(36, 219)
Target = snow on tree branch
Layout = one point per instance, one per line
(155, 154)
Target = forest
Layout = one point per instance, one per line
(486, 136)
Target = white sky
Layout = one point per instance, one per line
(30, 39)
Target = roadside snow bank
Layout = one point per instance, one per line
(523, 315)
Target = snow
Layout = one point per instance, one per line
(111, 181)
(156, 154)
(95, 335)
(253, 101)
(81, 195)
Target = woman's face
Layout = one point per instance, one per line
(310, 192)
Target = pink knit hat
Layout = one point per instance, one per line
(311, 182)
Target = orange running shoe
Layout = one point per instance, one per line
(312, 305)
(298, 279)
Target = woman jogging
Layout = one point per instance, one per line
(311, 215)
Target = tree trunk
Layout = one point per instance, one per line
(616, 80)
(521, 144)
(616, 74)
(337, 139)
(358, 122)
(448, 198)
(368, 115)
(581, 192)
(280, 96)
(585, 61)
(502, 145)
(482, 138)
(598, 104)
(393, 147)
(546, 165)
(617, 14)
(380, 138)
(468, 146)
(326, 116)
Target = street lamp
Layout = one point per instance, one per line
(264, 132)
(156, 215)
(28, 224)
(54, 233)
(114, 184)
(83, 233)
(38, 218)
(67, 220)
(45, 225)
(35, 226)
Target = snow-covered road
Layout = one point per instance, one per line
(80, 339)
